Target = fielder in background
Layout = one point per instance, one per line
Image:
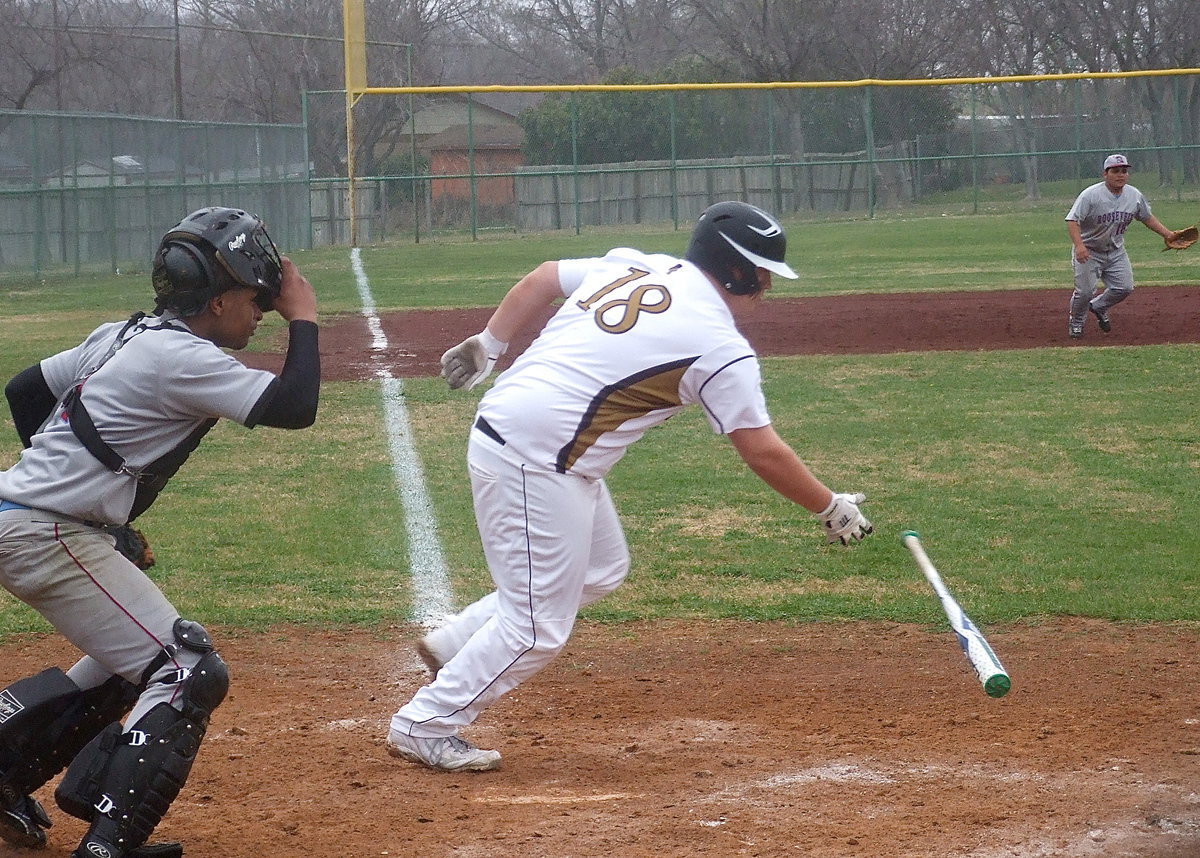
(105, 425)
(639, 337)
(1097, 223)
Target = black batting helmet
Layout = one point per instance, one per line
(729, 234)
(211, 251)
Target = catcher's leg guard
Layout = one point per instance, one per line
(123, 783)
(44, 721)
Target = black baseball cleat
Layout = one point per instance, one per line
(1075, 329)
(23, 823)
(1101, 319)
(93, 847)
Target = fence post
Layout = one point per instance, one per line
(75, 191)
(412, 142)
(1078, 128)
(673, 174)
(974, 152)
(575, 155)
(776, 179)
(471, 167)
(1178, 141)
(114, 233)
(39, 217)
(869, 123)
(308, 176)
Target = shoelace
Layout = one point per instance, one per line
(460, 744)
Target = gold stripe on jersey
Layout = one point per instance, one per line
(650, 390)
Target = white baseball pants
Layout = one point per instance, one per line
(553, 543)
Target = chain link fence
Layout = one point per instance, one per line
(86, 192)
(573, 157)
(97, 191)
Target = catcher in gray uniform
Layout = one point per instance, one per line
(1097, 223)
(105, 425)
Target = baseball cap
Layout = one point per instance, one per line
(1116, 161)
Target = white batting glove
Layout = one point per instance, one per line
(843, 520)
(472, 360)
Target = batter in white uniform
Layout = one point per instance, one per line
(1097, 223)
(639, 337)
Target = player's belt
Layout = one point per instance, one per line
(6, 505)
(486, 428)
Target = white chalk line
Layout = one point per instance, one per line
(557, 799)
(432, 599)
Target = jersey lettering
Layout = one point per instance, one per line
(646, 298)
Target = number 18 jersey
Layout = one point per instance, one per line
(639, 337)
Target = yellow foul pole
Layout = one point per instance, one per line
(354, 40)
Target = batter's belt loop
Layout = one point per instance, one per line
(486, 428)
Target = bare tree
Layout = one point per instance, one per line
(69, 54)
(1018, 37)
(1130, 35)
(582, 41)
(30, 51)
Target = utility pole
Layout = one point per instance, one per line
(178, 68)
(58, 60)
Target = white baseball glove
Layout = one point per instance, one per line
(472, 360)
(843, 520)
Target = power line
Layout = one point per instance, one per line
(108, 29)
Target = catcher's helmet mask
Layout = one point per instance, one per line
(729, 234)
(211, 251)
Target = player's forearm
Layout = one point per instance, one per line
(1154, 224)
(525, 301)
(291, 400)
(777, 465)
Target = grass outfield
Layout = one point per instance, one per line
(1043, 482)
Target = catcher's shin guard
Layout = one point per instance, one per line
(123, 783)
(44, 721)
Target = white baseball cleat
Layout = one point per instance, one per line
(445, 753)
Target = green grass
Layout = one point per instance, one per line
(1009, 244)
(1033, 497)
(1044, 482)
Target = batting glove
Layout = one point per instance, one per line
(472, 360)
(843, 520)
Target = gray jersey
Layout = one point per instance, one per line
(1104, 216)
(159, 387)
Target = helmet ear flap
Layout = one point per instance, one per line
(183, 278)
(743, 279)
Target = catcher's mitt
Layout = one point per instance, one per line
(133, 544)
(1182, 239)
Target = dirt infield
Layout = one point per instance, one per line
(852, 324)
(720, 738)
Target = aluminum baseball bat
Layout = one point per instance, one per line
(987, 666)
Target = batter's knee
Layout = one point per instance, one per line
(551, 637)
(605, 580)
(542, 638)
